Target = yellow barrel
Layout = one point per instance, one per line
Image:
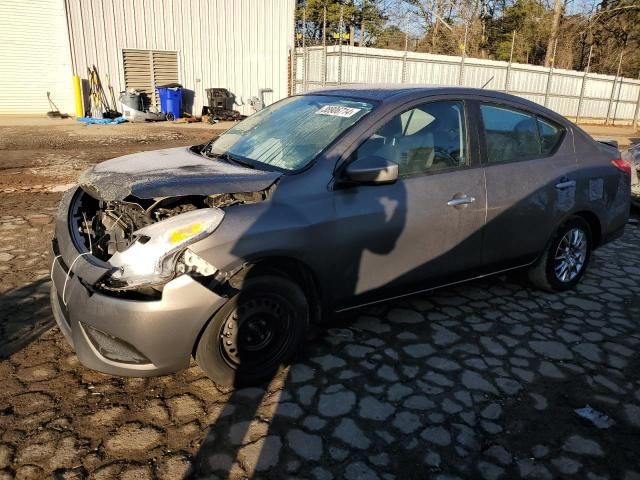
(77, 92)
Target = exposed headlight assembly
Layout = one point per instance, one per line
(151, 258)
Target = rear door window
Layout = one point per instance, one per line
(511, 134)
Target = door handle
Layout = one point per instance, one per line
(565, 183)
(461, 201)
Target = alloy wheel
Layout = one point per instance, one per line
(571, 255)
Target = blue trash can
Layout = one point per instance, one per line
(170, 101)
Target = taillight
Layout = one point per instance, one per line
(622, 165)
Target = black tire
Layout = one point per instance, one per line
(271, 316)
(543, 274)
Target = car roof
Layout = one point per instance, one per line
(379, 92)
(391, 93)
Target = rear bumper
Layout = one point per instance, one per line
(149, 337)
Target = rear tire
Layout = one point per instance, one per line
(258, 331)
(566, 257)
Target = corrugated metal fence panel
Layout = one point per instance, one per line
(35, 57)
(559, 89)
(241, 45)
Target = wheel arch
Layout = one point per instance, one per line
(292, 268)
(588, 216)
(289, 267)
(594, 224)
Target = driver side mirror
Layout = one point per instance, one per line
(372, 170)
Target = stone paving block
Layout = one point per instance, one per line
(474, 381)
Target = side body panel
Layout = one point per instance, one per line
(405, 237)
(602, 188)
(357, 240)
(526, 201)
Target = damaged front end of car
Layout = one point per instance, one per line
(137, 215)
(146, 241)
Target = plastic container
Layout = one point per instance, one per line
(170, 101)
(132, 100)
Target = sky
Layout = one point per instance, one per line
(405, 17)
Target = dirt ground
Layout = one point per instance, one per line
(625, 136)
(477, 381)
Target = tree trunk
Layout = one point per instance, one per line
(434, 37)
(352, 35)
(555, 26)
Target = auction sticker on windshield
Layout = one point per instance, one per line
(338, 111)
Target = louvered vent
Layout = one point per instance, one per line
(146, 69)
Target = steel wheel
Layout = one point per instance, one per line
(571, 255)
(255, 332)
(258, 331)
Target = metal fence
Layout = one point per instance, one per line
(580, 96)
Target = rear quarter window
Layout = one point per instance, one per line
(550, 136)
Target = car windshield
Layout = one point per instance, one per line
(289, 134)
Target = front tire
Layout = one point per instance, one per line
(259, 330)
(566, 257)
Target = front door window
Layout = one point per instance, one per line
(423, 140)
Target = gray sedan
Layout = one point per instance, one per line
(322, 203)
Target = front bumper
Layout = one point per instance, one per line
(161, 333)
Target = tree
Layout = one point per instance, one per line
(531, 21)
(614, 29)
(390, 37)
(357, 15)
(553, 37)
(438, 26)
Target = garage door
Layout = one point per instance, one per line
(35, 57)
(146, 69)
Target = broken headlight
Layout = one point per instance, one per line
(151, 258)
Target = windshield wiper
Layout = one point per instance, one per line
(232, 160)
(226, 156)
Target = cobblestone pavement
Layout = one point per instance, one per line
(477, 381)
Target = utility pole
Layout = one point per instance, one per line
(362, 30)
(305, 57)
(613, 88)
(340, 34)
(555, 26)
(550, 76)
(584, 85)
(464, 56)
(508, 75)
(324, 46)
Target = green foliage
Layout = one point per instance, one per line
(390, 37)
(532, 23)
(355, 15)
(438, 26)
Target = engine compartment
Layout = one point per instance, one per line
(106, 227)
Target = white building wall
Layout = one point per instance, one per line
(34, 57)
(241, 45)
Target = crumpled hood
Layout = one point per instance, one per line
(170, 172)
